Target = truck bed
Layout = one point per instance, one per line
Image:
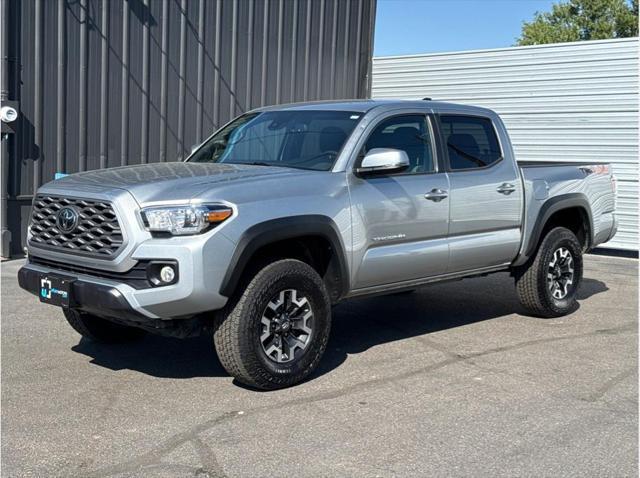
(589, 182)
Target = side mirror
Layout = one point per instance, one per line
(383, 160)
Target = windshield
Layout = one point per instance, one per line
(295, 139)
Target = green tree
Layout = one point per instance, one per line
(576, 20)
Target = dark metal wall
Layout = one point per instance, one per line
(117, 82)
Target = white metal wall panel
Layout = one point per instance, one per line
(565, 102)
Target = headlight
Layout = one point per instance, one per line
(183, 220)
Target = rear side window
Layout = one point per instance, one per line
(471, 141)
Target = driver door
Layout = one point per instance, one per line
(400, 225)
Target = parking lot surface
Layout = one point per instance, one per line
(452, 380)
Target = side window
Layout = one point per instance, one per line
(409, 133)
(471, 141)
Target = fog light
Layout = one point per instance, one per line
(167, 274)
(162, 272)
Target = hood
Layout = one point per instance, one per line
(176, 181)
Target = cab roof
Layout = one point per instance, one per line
(364, 106)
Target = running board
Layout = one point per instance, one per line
(412, 284)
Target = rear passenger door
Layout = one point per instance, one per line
(486, 193)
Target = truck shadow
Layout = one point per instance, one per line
(358, 325)
(591, 287)
(162, 357)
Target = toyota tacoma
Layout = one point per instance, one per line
(288, 210)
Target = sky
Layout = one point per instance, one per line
(405, 27)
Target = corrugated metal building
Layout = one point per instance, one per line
(102, 83)
(570, 102)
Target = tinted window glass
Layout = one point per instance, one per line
(471, 141)
(408, 133)
(297, 139)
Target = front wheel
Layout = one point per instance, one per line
(273, 335)
(547, 286)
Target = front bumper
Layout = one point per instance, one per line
(202, 263)
(91, 297)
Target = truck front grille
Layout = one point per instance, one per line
(88, 227)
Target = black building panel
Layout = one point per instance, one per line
(104, 83)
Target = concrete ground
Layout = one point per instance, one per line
(453, 380)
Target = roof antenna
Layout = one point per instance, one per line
(426, 98)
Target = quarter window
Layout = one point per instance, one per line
(471, 141)
(409, 133)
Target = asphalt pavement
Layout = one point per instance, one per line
(452, 380)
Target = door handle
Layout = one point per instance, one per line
(506, 188)
(436, 195)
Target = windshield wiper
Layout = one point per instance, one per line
(256, 163)
(264, 163)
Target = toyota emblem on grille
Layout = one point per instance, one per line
(67, 219)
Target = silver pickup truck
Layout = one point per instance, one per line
(288, 210)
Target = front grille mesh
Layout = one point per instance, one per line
(97, 234)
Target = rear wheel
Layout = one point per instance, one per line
(273, 335)
(547, 286)
(100, 330)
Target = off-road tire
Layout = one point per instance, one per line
(238, 326)
(531, 279)
(100, 330)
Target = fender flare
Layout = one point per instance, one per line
(274, 230)
(550, 207)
